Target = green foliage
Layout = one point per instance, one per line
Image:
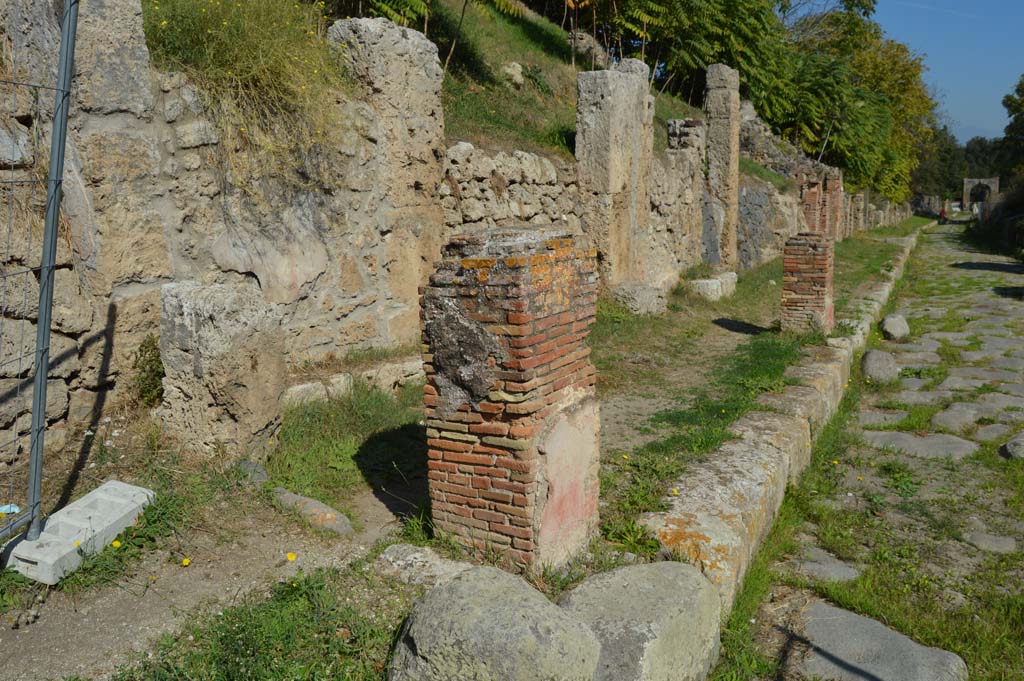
(327, 450)
(327, 625)
(147, 385)
(264, 65)
(781, 182)
(943, 166)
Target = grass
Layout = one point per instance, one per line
(184, 489)
(268, 73)
(325, 625)
(329, 450)
(859, 260)
(638, 482)
(753, 169)
(147, 383)
(904, 228)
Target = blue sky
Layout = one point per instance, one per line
(974, 50)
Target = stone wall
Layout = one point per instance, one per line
(169, 222)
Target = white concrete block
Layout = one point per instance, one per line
(81, 528)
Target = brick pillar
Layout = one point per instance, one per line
(722, 109)
(807, 265)
(512, 420)
(811, 199)
(834, 205)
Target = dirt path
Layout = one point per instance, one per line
(242, 551)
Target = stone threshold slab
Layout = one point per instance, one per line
(727, 503)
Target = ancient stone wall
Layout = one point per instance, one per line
(168, 219)
(512, 420)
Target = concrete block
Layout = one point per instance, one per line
(81, 528)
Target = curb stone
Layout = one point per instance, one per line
(728, 502)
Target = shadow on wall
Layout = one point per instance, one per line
(394, 464)
(106, 336)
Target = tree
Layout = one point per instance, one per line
(943, 166)
(1013, 141)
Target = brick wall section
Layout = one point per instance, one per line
(807, 298)
(525, 300)
(812, 200)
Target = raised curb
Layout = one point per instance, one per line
(728, 502)
(81, 528)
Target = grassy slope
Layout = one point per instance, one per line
(480, 105)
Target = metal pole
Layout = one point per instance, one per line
(65, 72)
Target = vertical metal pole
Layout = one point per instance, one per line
(66, 70)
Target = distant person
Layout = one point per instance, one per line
(942, 216)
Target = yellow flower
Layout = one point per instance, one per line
(835, 462)
(625, 456)
(675, 492)
(860, 477)
(290, 556)
(78, 543)
(116, 544)
(185, 562)
(163, 23)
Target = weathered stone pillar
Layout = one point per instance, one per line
(807, 266)
(722, 108)
(614, 143)
(512, 420)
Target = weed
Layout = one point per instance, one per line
(265, 66)
(327, 450)
(901, 479)
(147, 384)
(781, 182)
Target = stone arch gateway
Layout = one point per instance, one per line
(970, 185)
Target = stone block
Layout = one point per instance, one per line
(224, 364)
(82, 528)
(640, 299)
(488, 624)
(655, 622)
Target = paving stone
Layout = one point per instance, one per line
(960, 383)
(1011, 416)
(820, 564)
(914, 383)
(84, 527)
(845, 646)
(991, 543)
(1002, 401)
(989, 375)
(939, 446)
(1008, 363)
(993, 431)
(878, 417)
(1002, 343)
(922, 396)
(916, 359)
(923, 345)
(879, 366)
(959, 415)
(1011, 388)
(980, 355)
(948, 336)
(1014, 449)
